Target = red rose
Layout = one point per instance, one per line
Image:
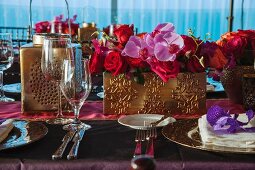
(232, 44)
(115, 63)
(250, 36)
(74, 28)
(96, 64)
(98, 57)
(190, 46)
(165, 70)
(123, 32)
(110, 29)
(213, 55)
(193, 65)
(137, 62)
(235, 46)
(42, 27)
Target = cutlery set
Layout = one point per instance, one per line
(141, 135)
(72, 135)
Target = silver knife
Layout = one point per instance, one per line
(77, 139)
(67, 138)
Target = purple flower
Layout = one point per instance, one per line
(222, 121)
(214, 113)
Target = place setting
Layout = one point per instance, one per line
(16, 133)
(217, 131)
(127, 85)
(146, 126)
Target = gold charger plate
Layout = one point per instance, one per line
(23, 133)
(186, 133)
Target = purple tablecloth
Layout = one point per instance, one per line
(109, 146)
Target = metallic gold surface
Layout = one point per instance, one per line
(186, 133)
(23, 133)
(85, 24)
(232, 82)
(87, 32)
(248, 86)
(38, 94)
(181, 97)
(85, 35)
(39, 37)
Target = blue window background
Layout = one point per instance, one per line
(201, 16)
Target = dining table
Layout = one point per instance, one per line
(109, 145)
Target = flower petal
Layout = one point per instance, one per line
(131, 50)
(165, 27)
(136, 40)
(174, 38)
(149, 40)
(162, 53)
(159, 38)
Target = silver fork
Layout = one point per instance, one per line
(139, 138)
(150, 136)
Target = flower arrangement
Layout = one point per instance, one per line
(162, 51)
(238, 47)
(59, 24)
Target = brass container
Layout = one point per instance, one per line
(232, 82)
(38, 94)
(248, 86)
(85, 34)
(181, 97)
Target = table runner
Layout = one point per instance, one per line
(93, 110)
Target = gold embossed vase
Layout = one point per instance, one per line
(181, 97)
(232, 82)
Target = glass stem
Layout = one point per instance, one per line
(59, 101)
(1, 84)
(76, 115)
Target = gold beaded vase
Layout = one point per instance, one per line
(37, 94)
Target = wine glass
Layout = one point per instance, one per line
(76, 86)
(6, 60)
(54, 51)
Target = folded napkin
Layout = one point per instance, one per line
(239, 139)
(5, 128)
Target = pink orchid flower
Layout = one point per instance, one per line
(160, 29)
(167, 46)
(137, 48)
(163, 28)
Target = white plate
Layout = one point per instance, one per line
(101, 95)
(143, 121)
(12, 88)
(217, 85)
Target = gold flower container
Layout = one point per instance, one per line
(181, 97)
(232, 82)
(85, 34)
(37, 94)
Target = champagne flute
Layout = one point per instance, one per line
(76, 86)
(6, 60)
(54, 51)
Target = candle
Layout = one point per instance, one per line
(52, 27)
